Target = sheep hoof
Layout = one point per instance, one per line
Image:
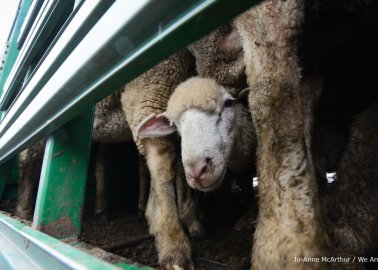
(141, 214)
(246, 222)
(179, 262)
(243, 225)
(103, 216)
(188, 266)
(24, 214)
(178, 267)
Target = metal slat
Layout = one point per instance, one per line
(111, 54)
(24, 248)
(77, 27)
(13, 51)
(6, 168)
(51, 15)
(28, 22)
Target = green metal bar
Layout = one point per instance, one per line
(131, 267)
(83, 18)
(13, 51)
(23, 248)
(51, 17)
(63, 179)
(114, 51)
(28, 22)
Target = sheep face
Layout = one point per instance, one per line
(203, 113)
(206, 143)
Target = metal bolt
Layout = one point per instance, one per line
(26, 243)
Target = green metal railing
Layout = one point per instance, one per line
(105, 60)
(24, 248)
(9, 60)
(49, 20)
(13, 52)
(101, 46)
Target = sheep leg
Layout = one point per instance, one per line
(244, 180)
(290, 220)
(352, 200)
(30, 167)
(144, 185)
(187, 207)
(186, 204)
(162, 214)
(101, 203)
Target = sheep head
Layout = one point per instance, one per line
(203, 113)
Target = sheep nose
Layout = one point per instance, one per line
(198, 168)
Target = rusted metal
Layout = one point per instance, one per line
(59, 228)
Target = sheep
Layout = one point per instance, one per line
(216, 131)
(283, 69)
(351, 203)
(109, 126)
(149, 93)
(219, 54)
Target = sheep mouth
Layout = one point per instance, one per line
(210, 187)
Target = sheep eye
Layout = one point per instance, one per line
(228, 103)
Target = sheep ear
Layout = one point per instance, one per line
(192, 50)
(155, 126)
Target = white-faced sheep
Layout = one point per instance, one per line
(149, 94)
(215, 129)
(219, 56)
(109, 126)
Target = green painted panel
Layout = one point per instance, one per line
(63, 178)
